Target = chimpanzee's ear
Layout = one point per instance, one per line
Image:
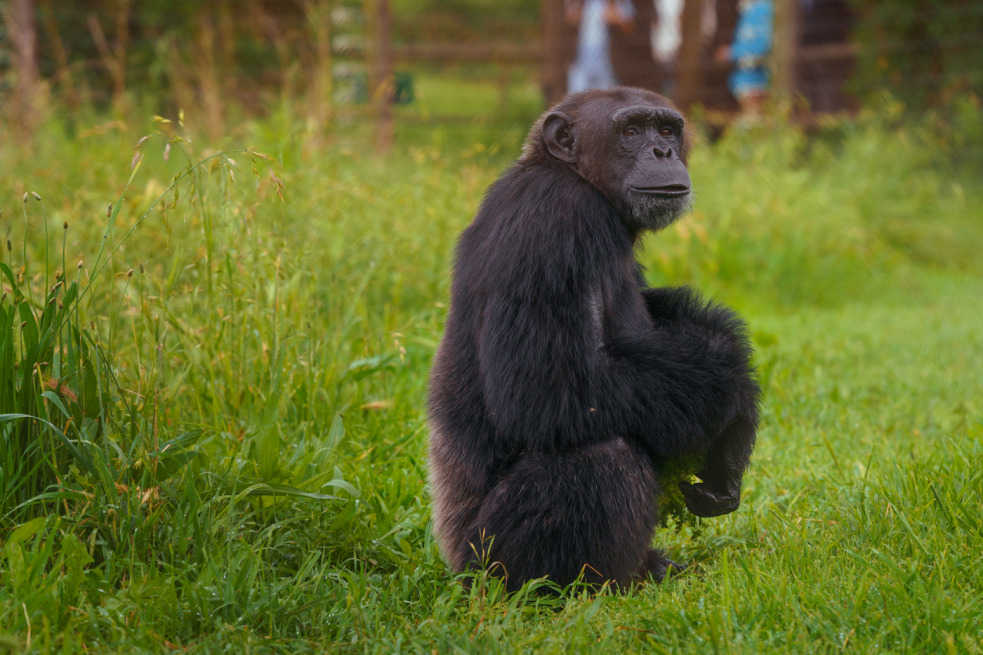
(558, 133)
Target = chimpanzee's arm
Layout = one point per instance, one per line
(681, 309)
(683, 305)
(553, 379)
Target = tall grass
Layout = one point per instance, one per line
(213, 428)
(92, 373)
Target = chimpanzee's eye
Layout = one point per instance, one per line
(666, 132)
(631, 130)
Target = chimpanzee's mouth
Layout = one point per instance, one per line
(665, 190)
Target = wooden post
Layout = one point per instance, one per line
(23, 32)
(383, 85)
(785, 50)
(690, 51)
(553, 81)
(321, 92)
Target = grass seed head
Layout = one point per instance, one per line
(109, 210)
(36, 196)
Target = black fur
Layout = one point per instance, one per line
(561, 379)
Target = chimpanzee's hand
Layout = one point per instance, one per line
(702, 501)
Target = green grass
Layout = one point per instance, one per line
(227, 449)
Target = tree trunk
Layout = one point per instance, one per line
(23, 32)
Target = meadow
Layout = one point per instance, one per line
(213, 364)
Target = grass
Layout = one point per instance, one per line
(225, 449)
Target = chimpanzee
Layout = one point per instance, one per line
(562, 382)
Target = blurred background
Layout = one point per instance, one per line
(424, 62)
(219, 306)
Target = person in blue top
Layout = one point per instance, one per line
(749, 52)
(592, 68)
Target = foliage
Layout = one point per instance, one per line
(224, 451)
(922, 52)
